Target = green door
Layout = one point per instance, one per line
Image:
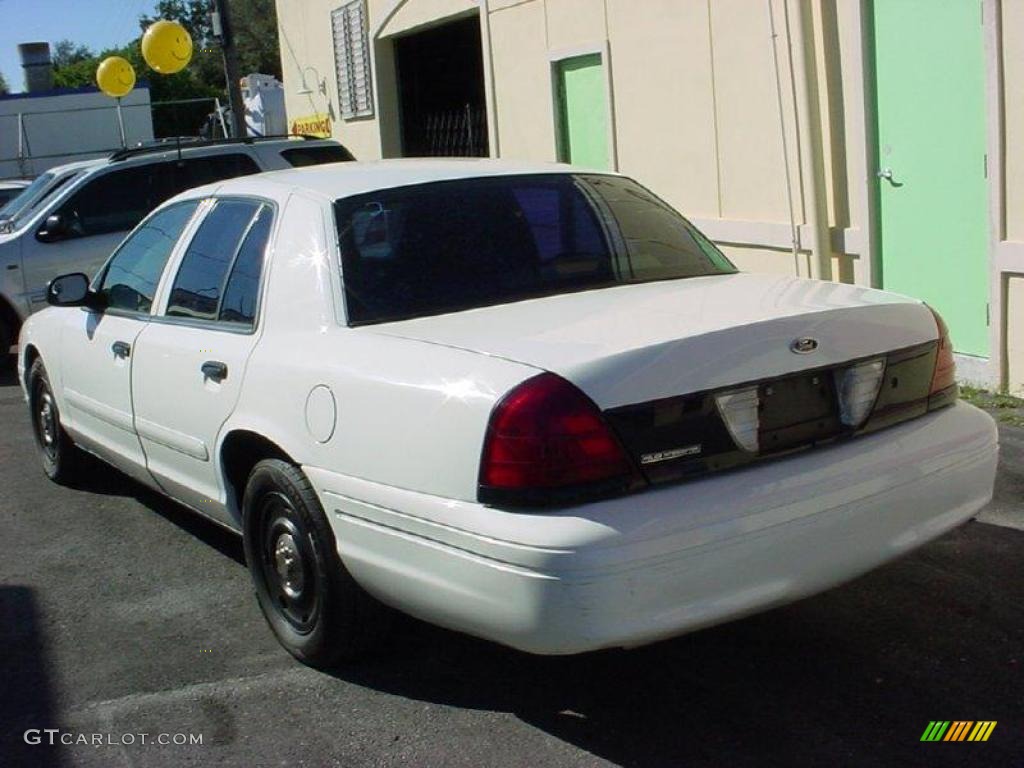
(933, 196)
(582, 111)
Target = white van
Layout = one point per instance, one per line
(73, 216)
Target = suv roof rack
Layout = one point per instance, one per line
(190, 142)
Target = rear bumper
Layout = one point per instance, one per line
(633, 570)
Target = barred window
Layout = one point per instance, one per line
(352, 60)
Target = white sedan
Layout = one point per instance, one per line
(520, 401)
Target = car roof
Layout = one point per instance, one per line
(337, 180)
(151, 153)
(77, 165)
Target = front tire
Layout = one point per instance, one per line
(61, 458)
(313, 605)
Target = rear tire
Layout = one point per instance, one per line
(313, 605)
(61, 458)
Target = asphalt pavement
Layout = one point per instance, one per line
(123, 617)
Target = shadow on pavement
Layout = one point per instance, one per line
(101, 478)
(8, 373)
(27, 699)
(850, 677)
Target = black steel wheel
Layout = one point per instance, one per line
(288, 561)
(61, 458)
(314, 606)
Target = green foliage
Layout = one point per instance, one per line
(255, 27)
(67, 52)
(1005, 408)
(74, 65)
(3, 84)
(256, 36)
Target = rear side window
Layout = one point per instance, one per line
(133, 272)
(241, 295)
(325, 153)
(223, 261)
(196, 171)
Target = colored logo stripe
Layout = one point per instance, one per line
(982, 730)
(958, 730)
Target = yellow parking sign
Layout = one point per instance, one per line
(318, 124)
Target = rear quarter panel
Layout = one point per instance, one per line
(408, 414)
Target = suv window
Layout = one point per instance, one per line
(204, 269)
(133, 272)
(118, 200)
(325, 153)
(196, 171)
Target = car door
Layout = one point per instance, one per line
(190, 361)
(93, 219)
(98, 346)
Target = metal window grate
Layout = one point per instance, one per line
(352, 60)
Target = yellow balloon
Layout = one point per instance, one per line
(115, 76)
(167, 47)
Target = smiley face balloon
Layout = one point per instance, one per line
(167, 47)
(115, 76)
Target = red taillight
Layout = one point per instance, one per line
(545, 434)
(944, 376)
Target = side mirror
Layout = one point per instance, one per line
(70, 290)
(53, 229)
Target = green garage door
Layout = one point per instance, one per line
(933, 196)
(582, 111)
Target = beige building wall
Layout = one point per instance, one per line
(1008, 189)
(699, 114)
(694, 92)
(1015, 334)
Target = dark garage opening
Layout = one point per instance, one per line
(441, 91)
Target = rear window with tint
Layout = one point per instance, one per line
(452, 245)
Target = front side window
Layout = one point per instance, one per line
(116, 201)
(453, 245)
(130, 280)
(212, 258)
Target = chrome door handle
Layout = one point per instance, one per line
(121, 348)
(885, 173)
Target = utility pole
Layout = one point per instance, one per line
(222, 29)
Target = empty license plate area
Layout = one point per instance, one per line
(797, 411)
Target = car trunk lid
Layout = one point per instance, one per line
(640, 343)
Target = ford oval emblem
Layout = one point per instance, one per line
(804, 345)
